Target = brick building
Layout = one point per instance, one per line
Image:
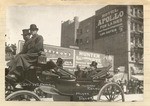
(114, 30)
(69, 32)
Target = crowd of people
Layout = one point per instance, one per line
(86, 72)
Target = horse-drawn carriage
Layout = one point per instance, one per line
(63, 85)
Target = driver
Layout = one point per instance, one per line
(26, 36)
(23, 61)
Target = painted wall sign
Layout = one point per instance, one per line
(111, 21)
(54, 52)
(72, 57)
(84, 59)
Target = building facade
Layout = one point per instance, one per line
(69, 32)
(135, 41)
(114, 30)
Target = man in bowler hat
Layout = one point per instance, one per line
(24, 60)
(92, 70)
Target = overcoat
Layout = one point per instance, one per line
(29, 53)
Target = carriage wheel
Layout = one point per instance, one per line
(111, 92)
(8, 89)
(22, 95)
(39, 92)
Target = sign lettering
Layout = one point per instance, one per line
(111, 22)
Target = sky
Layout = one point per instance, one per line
(47, 18)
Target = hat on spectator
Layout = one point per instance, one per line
(93, 64)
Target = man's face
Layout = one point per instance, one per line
(33, 32)
(93, 68)
(26, 37)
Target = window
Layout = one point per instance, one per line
(88, 23)
(140, 14)
(131, 11)
(86, 29)
(141, 56)
(79, 31)
(140, 42)
(136, 41)
(136, 12)
(87, 40)
(77, 41)
(136, 56)
(81, 41)
(133, 26)
(140, 28)
(132, 56)
(132, 42)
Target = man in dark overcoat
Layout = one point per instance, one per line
(26, 37)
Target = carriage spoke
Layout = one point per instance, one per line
(8, 89)
(106, 97)
(108, 93)
(117, 95)
(112, 90)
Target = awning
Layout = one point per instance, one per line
(138, 77)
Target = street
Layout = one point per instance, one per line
(128, 98)
(134, 97)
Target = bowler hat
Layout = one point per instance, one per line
(25, 32)
(33, 27)
(93, 64)
(60, 60)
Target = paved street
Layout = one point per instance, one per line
(128, 98)
(134, 97)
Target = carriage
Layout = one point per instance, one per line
(63, 85)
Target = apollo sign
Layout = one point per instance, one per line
(111, 22)
(110, 18)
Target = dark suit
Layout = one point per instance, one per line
(29, 55)
(23, 51)
(35, 45)
(25, 47)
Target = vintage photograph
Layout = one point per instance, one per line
(86, 53)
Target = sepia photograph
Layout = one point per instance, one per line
(74, 53)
